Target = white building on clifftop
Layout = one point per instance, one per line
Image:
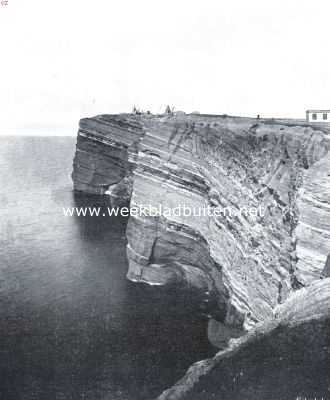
(318, 115)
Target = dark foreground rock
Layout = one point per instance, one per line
(287, 357)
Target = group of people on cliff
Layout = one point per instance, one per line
(168, 110)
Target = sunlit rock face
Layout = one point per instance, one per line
(313, 229)
(242, 265)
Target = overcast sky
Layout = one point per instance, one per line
(65, 59)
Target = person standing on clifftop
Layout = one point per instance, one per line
(168, 110)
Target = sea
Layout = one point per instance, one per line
(71, 325)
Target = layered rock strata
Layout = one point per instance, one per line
(106, 147)
(242, 265)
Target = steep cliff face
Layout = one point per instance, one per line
(242, 265)
(313, 228)
(106, 146)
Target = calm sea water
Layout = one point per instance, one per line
(71, 325)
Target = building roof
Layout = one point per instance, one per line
(318, 111)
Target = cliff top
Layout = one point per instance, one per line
(209, 119)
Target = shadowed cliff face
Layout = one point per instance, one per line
(242, 266)
(104, 148)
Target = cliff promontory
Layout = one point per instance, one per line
(243, 265)
(270, 179)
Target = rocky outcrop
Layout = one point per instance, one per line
(286, 357)
(242, 266)
(106, 147)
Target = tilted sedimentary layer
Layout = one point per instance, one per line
(104, 147)
(242, 265)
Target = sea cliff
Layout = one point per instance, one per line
(243, 266)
